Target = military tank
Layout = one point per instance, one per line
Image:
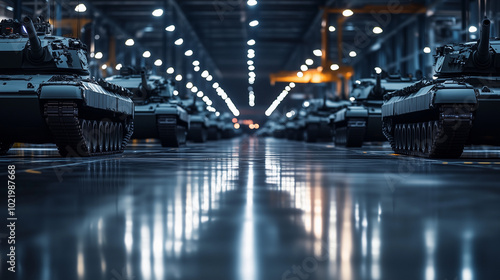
(215, 127)
(199, 123)
(48, 96)
(320, 116)
(361, 121)
(437, 118)
(295, 126)
(157, 114)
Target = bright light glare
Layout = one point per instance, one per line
(170, 28)
(196, 63)
(378, 70)
(98, 55)
(254, 23)
(104, 67)
(205, 74)
(300, 74)
(309, 61)
(179, 42)
(427, 50)
(158, 12)
(472, 29)
(251, 42)
(304, 67)
(250, 62)
(170, 70)
(118, 66)
(377, 30)
(317, 52)
(335, 67)
(178, 78)
(158, 62)
(188, 53)
(197, 68)
(210, 78)
(332, 28)
(347, 13)
(251, 68)
(80, 8)
(129, 42)
(189, 85)
(353, 54)
(146, 54)
(252, 2)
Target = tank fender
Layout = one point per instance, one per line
(61, 92)
(455, 96)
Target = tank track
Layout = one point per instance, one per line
(75, 136)
(171, 133)
(351, 135)
(442, 138)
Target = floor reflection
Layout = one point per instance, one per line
(255, 209)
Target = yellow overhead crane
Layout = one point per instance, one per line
(324, 73)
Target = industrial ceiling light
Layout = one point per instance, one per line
(215, 85)
(129, 42)
(197, 68)
(200, 94)
(252, 2)
(347, 13)
(104, 67)
(317, 52)
(427, 50)
(300, 74)
(288, 88)
(158, 12)
(309, 61)
(80, 8)
(118, 66)
(378, 70)
(304, 67)
(217, 114)
(210, 78)
(194, 89)
(179, 42)
(188, 53)
(254, 23)
(158, 62)
(472, 29)
(251, 51)
(170, 28)
(189, 85)
(170, 70)
(178, 78)
(196, 63)
(353, 54)
(205, 74)
(250, 62)
(251, 55)
(292, 84)
(146, 54)
(335, 67)
(306, 104)
(377, 30)
(98, 55)
(251, 68)
(332, 28)
(252, 74)
(251, 42)
(176, 92)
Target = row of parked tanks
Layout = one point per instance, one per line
(48, 96)
(433, 118)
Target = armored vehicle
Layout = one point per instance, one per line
(295, 126)
(362, 120)
(320, 116)
(215, 127)
(157, 114)
(198, 120)
(47, 95)
(438, 118)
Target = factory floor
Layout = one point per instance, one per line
(253, 209)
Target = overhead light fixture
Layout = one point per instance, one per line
(254, 23)
(251, 42)
(178, 78)
(317, 52)
(292, 84)
(215, 85)
(170, 70)
(288, 88)
(306, 104)
(158, 12)
(217, 114)
(188, 53)
(104, 66)
(251, 55)
(129, 42)
(332, 28)
(118, 66)
(472, 29)
(304, 67)
(378, 70)
(300, 74)
(205, 74)
(210, 78)
(197, 68)
(176, 92)
(252, 74)
(158, 62)
(194, 89)
(146, 54)
(179, 42)
(189, 85)
(170, 28)
(335, 67)
(98, 55)
(196, 63)
(377, 30)
(252, 2)
(250, 62)
(251, 51)
(251, 68)
(80, 8)
(427, 50)
(309, 61)
(347, 13)
(352, 54)
(200, 94)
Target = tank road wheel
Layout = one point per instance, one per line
(430, 136)
(107, 137)
(5, 147)
(397, 136)
(417, 139)
(87, 137)
(94, 129)
(114, 133)
(119, 134)
(423, 138)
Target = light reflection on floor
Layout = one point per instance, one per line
(252, 209)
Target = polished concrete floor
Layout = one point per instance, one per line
(253, 209)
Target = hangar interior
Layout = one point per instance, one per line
(250, 139)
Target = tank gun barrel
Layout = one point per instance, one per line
(36, 46)
(482, 55)
(144, 83)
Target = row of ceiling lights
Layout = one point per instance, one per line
(171, 71)
(251, 55)
(279, 99)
